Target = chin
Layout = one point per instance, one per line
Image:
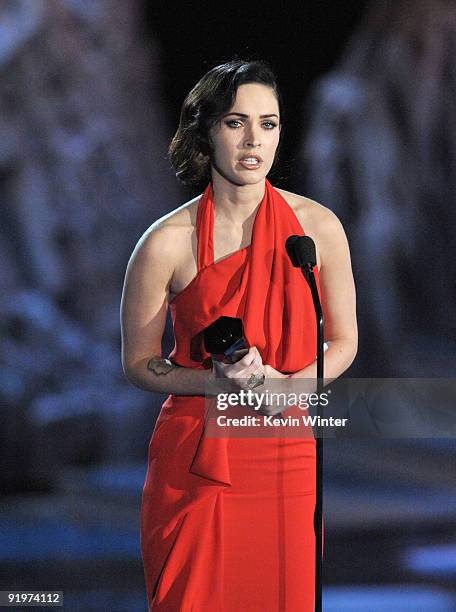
(251, 176)
(254, 180)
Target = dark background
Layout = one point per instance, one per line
(301, 41)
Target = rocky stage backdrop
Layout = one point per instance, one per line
(381, 153)
(83, 172)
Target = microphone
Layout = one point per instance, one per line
(225, 339)
(301, 251)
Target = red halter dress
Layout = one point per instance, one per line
(227, 523)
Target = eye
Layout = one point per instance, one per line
(230, 122)
(271, 125)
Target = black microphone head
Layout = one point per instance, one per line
(289, 246)
(301, 251)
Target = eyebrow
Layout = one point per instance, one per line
(246, 116)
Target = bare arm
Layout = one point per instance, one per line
(143, 316)
(338, 300)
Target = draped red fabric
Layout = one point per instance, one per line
(227, 523)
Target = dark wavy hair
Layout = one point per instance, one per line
(213, 95)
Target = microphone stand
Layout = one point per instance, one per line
(307, 270)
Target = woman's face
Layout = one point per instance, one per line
(246, 138)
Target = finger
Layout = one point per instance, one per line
(255, 380)
(256, 363)
(252, 370)
(248, 358)
(239, 370)
(258, 358)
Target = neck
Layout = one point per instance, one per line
(236, 203)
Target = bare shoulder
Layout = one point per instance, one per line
(315, 218)
(177, 227)
(320, 223)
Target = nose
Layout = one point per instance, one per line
(252, 138)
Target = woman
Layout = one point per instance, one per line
(227, 523)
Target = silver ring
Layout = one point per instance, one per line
(255, 380)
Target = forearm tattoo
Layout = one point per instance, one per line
(160, 365)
